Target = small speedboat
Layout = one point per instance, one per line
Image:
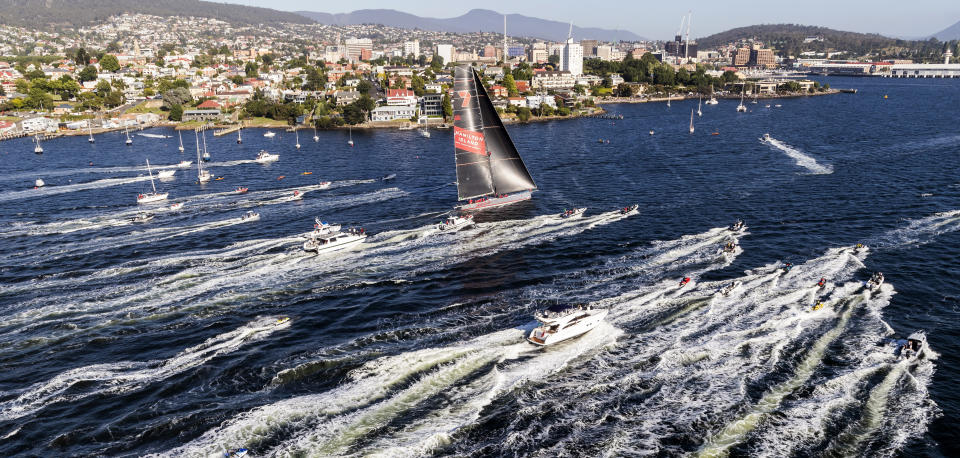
(726, 290)
(389, 177)
(767, 106)
(562, 322)
(166, 173)
(39, 183)
(765, 138)
(909, 348)
(859, 248)
(235, 453)
(737, 226)
(250, 216)
(573, 213)
(297, 195)
(218, 178)
(628, 210)
(241, 190)
(184, 164)
(454, 223)
(263, 157)
(282, 320)
(176, 206)
(269, 134)
(730, 247)
(142, 217)
(875, 281)
(324, 184)
(777, 106)
(651, 131)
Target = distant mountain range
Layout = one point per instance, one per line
(34, 13)
(789, 38)
(474, 21)
(949, 33)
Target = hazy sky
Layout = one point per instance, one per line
(660, 20)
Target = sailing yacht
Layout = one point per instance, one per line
(489, 167)
(151, 196)
(691, 121)
(206, 154)
(129, 141)
(350, 142)
(203, 176)
(181, 142)
(699, 112)
(295, 132)
(712, 101)
(37, 149)
(741, 108)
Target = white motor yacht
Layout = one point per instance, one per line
(184, 164)
(269, 134)
(454, 223)
(250, 216)
(559, 323)
(573, 213)
(335, 241)
(264, 157)
(712, 101)
(166, 173)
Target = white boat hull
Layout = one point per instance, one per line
(492, 202)
(544, 336)
(148, 198)
(268, 158)
(166, 173)
(344, 242)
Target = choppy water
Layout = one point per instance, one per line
(130, 339)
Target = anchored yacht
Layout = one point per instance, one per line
(562, 322)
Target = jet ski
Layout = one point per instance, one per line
(726, 290)
(730, 247)
(859, 248)
(822, 282)
(684, 281)
(737, 226)
(818, 305)
(786, 267)
(875, 281)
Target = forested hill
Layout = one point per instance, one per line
(788, 39)
(42, 13)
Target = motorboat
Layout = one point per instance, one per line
(142, 217)
(859, 248)
(819, 305)
(39, 183)
(184, 164)
(777, 106)
(909, 348)
(454, 223)
(236, 453)
(241, 190)
(651, 132)
(629, 210)
(767, 106)
(875, 281)
(269, 134)
(297, 195)
(729, 247)
(324, 184)
(765, 138)
(424, 133)
(37, 149)
(726, 290)
(176, 206)
(282, 320)
(389, 177)
(323, 227)
(206, 156)
(166, 173)
(264, 157)
(145, 198)
(335, 241)
(250, 216)
(573, 213)
(712, 101)
(562, 322)
(822, 283)
(738, 226)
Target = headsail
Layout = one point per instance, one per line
(487, 160)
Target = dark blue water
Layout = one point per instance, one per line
(128, 339)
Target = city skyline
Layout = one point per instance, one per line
(660, 21)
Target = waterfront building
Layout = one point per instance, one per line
(553, 80)
(392, 113)
(431, 105)
(398, 97)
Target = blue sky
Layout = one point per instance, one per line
(660, 20)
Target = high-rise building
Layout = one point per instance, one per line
(355, 47)
(445, 52)
(589, 47)
(571, 59)
(515, 51)
(762, 58)
(741, 57)
(537, 53)
(489, 51)
(411, 47)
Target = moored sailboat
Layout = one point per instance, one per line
(741, 108)
(203, 176)
(490, 172)
(691, 121)
(37, 149)
(181, 141)
(151, 196)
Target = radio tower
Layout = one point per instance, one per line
(506, 60)
(686, 45)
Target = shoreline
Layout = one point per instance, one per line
(679, 98)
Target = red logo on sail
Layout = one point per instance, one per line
(465, 98)
(469, 140)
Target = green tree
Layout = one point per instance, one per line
(365, 103)
(176, 112)
(103, 88)
(364, 87)
(89, 73)
(511, 85)
(82, 57)
(236, 79)
(554, 60)
(34, 74)
(176, 96)
(546, 110)
(352, 114)
(110, 63)
(623, 90)
(447, 107)
(436, 64)
(418, 85)
(523, 114)
(113, 99)
(251, 69)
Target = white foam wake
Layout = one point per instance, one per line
(801, 159)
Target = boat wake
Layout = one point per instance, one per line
(801, 159)
(53, 190)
